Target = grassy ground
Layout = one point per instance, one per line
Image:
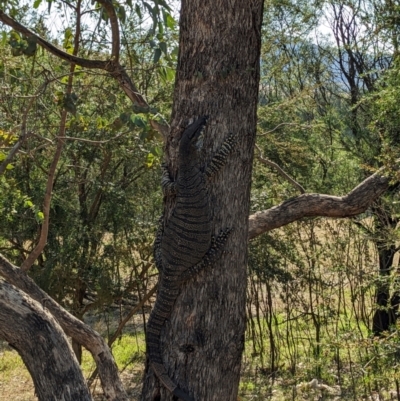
(257, 383)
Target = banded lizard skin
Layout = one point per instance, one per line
(185, 245)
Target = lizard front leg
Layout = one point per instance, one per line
(220, 158)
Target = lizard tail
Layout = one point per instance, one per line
(161, 373)
(156, 321)
(182, 395)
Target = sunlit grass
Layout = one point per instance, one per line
(127, 350)
(11, 365)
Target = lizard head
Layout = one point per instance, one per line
(192, 136)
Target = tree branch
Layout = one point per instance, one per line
(314, 205)
(37, 250)
(122, 324)
(73, 327)
(280, 171)
(115, 42)
(24, 134)
(42, 345)
(111, 66)
(163, 129)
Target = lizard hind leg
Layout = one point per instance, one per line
(213, 254)
(167, 184)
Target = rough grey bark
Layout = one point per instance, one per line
(30, 329)
(218, 76)
(73, 327)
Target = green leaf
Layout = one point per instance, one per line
(68, 40)
(121, 14)
(153, 12)
(163, 47)
(149, 7)
(36, 4)
(40, 216)
(167, 74)
(30, 50)
(3, 38)
(69, 103)
(143, 135)
(14, 35)
(138, 11)
(175, 51)
(124, 117)
(169, 20)
(138, 121)
(28, 203)
(156, 151)
(157, 55)
(163, 3)
(150, 160)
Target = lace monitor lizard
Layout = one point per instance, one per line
(184, 245)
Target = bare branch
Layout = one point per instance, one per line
(284, 124)
(314, 205)
(37, 250)
(71, 138)
(115, 42)
(280, 171)
(111, 66)
(163, 129)
(125, 320)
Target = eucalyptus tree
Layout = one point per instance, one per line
(217, 75)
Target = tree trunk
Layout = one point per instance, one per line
(385, 223)
(41, 343)
(218, 76)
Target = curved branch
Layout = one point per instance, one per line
(42, 345)
(111, 66)
(318, 205)
(98, 64)
(73, 327)
(115, 42)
